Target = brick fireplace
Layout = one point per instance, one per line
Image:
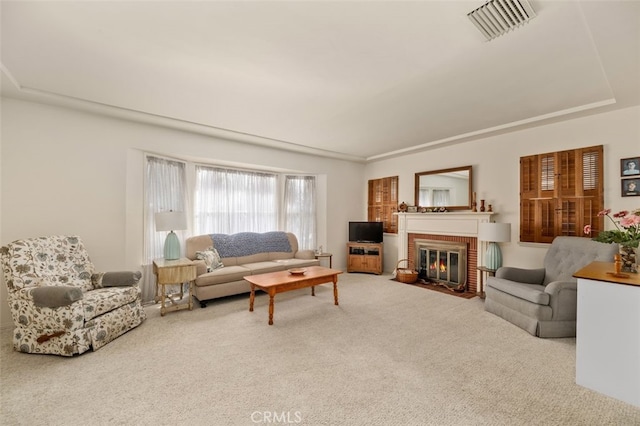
(448, 227)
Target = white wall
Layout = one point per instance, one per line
(69, 172)
(495, 162)
(64, 171)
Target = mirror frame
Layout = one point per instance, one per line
(435, 172)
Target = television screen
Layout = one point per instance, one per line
(365, 232)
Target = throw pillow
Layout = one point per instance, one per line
(211, 258)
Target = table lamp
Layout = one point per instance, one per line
(494, 233)
(170, 221)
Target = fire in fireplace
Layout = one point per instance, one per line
(442, 262)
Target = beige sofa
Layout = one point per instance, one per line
(243, 254)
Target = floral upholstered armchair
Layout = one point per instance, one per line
(59, 304)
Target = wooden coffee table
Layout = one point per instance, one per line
(281, 281)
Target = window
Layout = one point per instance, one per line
(560, 193)
(226, 201)
(165, 190)
(383, 202)
(300, 209)
(229, 201)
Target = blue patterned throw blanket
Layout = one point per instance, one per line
(248, 243)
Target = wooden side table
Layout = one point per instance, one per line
(329, 255)
(172, 272)
(484, 270)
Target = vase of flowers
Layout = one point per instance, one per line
(626, 234)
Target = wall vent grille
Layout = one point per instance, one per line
(497, 17)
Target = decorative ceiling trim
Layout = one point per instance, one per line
(51, 98)
(491, 130)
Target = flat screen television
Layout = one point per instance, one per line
(365, 232)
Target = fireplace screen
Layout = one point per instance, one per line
(442, 262)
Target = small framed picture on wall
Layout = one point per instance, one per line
(630, 187)
(630, 167)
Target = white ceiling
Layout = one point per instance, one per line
(359, 80)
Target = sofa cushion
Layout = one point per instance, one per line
(529, 292)
(223, 275)
(297, 263)
(279, 255)
(264, 267)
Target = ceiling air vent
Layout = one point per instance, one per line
(496, 17)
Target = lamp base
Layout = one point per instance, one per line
(493, 256)
(172, 247)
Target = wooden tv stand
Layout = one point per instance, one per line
(364, 257)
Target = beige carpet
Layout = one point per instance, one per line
(390, 354)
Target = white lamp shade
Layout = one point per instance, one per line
(170, 221)
(494, 232)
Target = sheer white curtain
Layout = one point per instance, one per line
(441, 197)
(300, 209)
(165, 190)
(228, 201)
(424, 197)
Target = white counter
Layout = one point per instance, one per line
(608, 333)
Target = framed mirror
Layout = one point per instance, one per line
(448, 188)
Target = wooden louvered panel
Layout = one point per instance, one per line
(547, 175)
(383, 202)
(391, 222)
(528, 176)
(545, 220)
(569, 170)
(592, 171)
(569, 195)
(375, 214)
(527, 221)
(393, 190)
(590, 210)
(568, 218)
(375, 192)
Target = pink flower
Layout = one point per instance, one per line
(587, 229)
(627, 228)
(630, 221)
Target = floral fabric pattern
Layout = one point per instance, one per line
(68, 344)
(57, 260)
(100, 301)
(109, 326)
(100, 317)
(27, 315)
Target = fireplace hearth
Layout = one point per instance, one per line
(442, 262)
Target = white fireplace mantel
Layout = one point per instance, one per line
(464, 224)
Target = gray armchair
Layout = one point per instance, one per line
(543, 301)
